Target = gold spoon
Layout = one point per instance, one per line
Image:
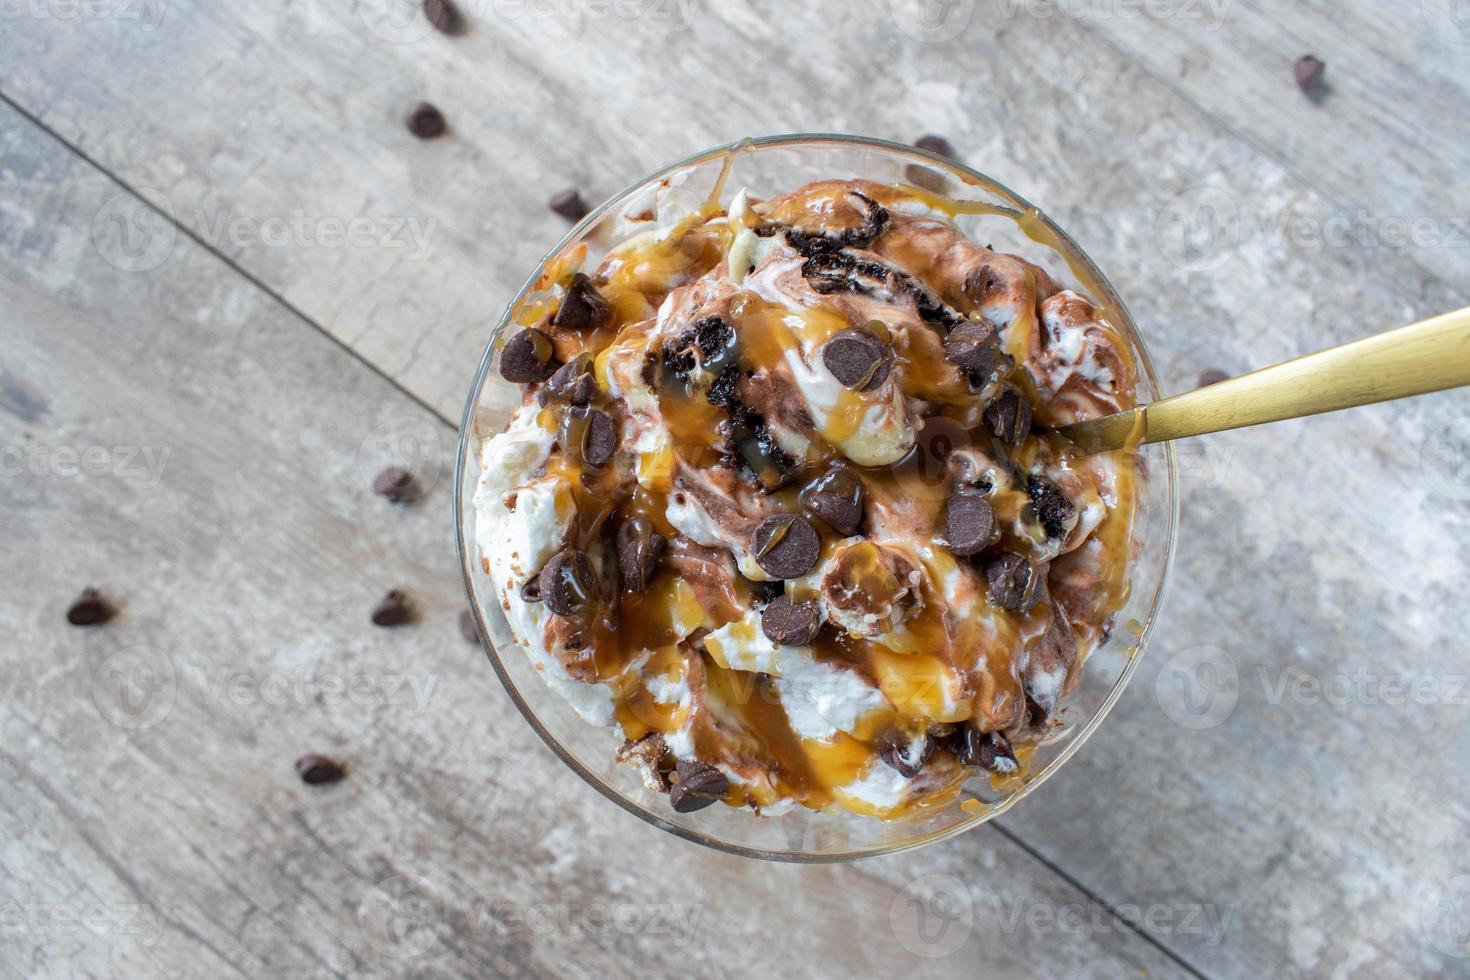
(1430, 355)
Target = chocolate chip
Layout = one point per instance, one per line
(601, 438)
(982, 283)
(974, 348)
(895, 748)
(583, 307)
(1009, 416)
(318, 769)
(1309, 70)
(1053, 510)
(531, 589)
(857, 359)
(572, 382)
(569, 205)
(394, 483)
(528, 356)
(791, 624)
(426, 121)
(443, 15)
(935, 144)
(467, 627)
(89, 609)
(969, 523)
(392, 610)
(1013, 582)
(785, 546)
(567, 583)
(696, 785)
(990, 751)
(835, 497)
(640, 549)
(1212, 376)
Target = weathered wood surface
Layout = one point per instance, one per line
(1321, 562)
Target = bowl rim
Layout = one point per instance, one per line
(465, 556)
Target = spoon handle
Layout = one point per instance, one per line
(1430, 355)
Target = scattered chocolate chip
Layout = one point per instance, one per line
(1213, 376)
(935, 144)
(591, 432)
(1309, 70)
(857, 359)
(443, 15)
(791, 624)
(1013, 582)
(969, 523)
(529, 356)
(1053, 510)
(974, 348)
(467, 627)
(531, 589)
(990, 751)
(318, 769)
(572, 382)
(640, 549)
(89, 609)
(786, 546)
(569, 205)
(426, 121)
(567, 583)
(835, 497)
(392, 610)
(895, 748)
(696, 785)
(583, 307)
(394, 483)
(1009, 416)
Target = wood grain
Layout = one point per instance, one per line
(1312, 553)
(151, 823)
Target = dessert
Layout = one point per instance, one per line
(782, 502)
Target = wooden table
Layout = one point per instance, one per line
(229, 275)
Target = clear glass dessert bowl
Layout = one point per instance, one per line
(986, 212)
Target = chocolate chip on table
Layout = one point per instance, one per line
(583, 307)
(990, 751)
(426, 121)
(640, 549)
(394, 483)
(567, 583)
(1053, 510)
(893, 748)
(935, 144)
(392, 610)
(569, 205)
(528, 357)
(443, 15)
(318, 769)
(974, 348)
(835, 497)
(89, 609)
(1013, 582)
(785, 546)
(969, 523)
(572, 382)
(790, 623)
(1309, 70)
(1212, 376)
(467, 627)
(696, 785)
(857, 359)
(1009, 416)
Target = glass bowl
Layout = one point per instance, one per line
(767, 167)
